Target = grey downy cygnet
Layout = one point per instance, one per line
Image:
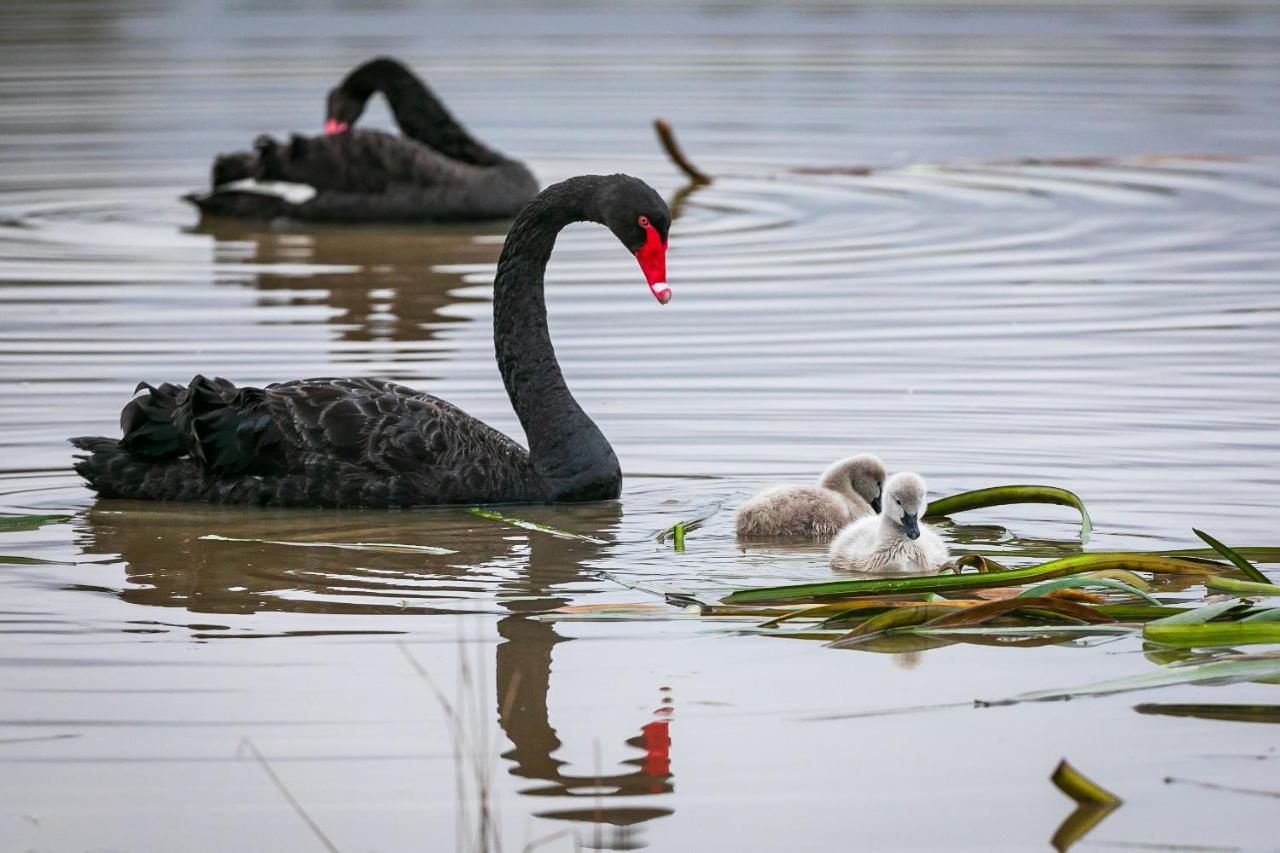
(894, 540)
(848, 490)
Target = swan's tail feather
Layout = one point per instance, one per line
(239, 166)
(245, 185)
(108, 468)
(229, 429)
(147, 422)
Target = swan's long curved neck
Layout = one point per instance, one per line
(566, 448)
(419, 113)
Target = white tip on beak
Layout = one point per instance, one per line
(661, 291)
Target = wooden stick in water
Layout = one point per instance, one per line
(668, 139)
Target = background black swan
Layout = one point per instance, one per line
(436, 172)
(370, 443)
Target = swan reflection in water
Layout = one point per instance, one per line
(167, 563)
(394, 293)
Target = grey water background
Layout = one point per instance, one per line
(1012, 243)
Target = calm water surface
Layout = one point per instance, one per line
(1059, 267)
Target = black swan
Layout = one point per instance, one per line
(371, 443)
(436, 172)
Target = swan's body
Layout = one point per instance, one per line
(370, 443)
(893, 541)
(848, 490)
(435, 172)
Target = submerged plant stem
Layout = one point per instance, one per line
(247, 745)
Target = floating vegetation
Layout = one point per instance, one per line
(1093, 804)
(17, 560)
(1007, 495)
(1153, 563)
(699, 517)
(1249, 569)
(1234, 713)
(386, 547)
(491, 515)
(1081, 599)
(15, 523)
(677, 536)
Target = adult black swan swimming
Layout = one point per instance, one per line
(435, 172)
(370, 443)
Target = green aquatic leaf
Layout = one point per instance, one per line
(1211, 635)
(491, 515)
(1081, 788)
(1249, 569)
(25, 561)
(1233, 713)
(677, 539)
(1077, 581)
(1262, 554)
(972, 580)
(693, 522)
(1138, 612)
(1235, 586)
(388, 547)
(1269, 615)
(1005, 495)
(1232, 671)
(1093, 804)
(1052, 608)
(899, 617)
(1199, 615)
(16, 523)
(981, 562)
(1080, 629)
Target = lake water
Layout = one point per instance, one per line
(1019, 244)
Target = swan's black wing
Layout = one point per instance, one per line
(317, 442)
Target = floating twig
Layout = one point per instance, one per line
(668, 139)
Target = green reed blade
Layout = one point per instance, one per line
(899, 617)
(1235, 713)
(1081, 788)
(1243, 668)
(1093, 803)
(1234, 586)
(1249, 569)
(693, 522)
(15, 523)
(13, 559)
(1211, 635)
(1077, 581)
(384, 547)
(1005, 495)
(973, 580)
(491, 515)
(1199, 615)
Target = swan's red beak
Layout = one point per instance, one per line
(653, 260)
(333, 126)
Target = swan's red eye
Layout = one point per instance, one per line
(644, 221)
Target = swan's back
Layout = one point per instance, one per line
(810, 512)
